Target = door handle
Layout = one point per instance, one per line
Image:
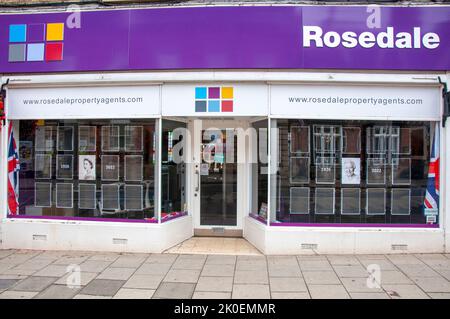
(197, 187)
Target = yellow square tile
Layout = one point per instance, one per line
(55, 31)
(227, 92)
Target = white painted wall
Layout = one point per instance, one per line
(95, 236)
(330, 240)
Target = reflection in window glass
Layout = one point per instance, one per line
(173, 170)
(359, 172)
(259, 169)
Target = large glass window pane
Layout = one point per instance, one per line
(372, 172)
(173, 169)
(87, 168)
(259, 168)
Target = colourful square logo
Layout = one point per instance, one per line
(17, 33)
(55, 31)
(36, 42)
(35, 52)
(214, 99)
(53, 51)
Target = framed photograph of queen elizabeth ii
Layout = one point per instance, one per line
(86, 168)
(351, 170)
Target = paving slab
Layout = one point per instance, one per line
(315, 265)
(34, 283)
(251, 277)
(72, 260)
(360, 285)
(161, 259)
(293, 284)
(153, 269)
(172, 290)
(35, 263)
(18, 294)
(218, 270)
(182, 275)
(102, 287)
(117, 273)
(284, 271)
(394, 277)
(19, 272)
(54, 271)
(144, 281)
(127, 293)
(418, 270)
(127, 261)
(321, 278)
(5, 253)
(282, 260)
(369, 295)
(7, 283)
(351, 271)
(85, 278)
(58, 292)
(211, 295)
(221, 260)
(403, 259)
(433, 295)
(384, 264)
(343, 260)
(432, 284)
(250, 292)
(290, 295)
(405, 292)
(111, 257)
(189, 263)
(81, 296)
(328, 292)
(94, 265)
(215, 284)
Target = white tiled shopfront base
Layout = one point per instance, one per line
(312, 240)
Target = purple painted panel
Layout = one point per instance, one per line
(261, 37)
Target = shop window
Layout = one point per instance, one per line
(173, 170)
(351, 172)
(87, 168)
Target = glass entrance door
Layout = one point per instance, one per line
(217, 177)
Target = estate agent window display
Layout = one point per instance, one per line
(87, 168)
(352, 172)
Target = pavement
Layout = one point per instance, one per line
(87, 275)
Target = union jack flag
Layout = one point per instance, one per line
(432, 193)
(13, 174)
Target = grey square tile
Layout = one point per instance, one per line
(102, 287)
(16, 53)
(7, 283)
(290, 295)
(209, 295)
(144, 281)
(321, 278)
(251, 277)
(161, 259)
(172, 290)
(153, 269)
(361, 285)
(127, 293)
(404, 292)
(251, 292)
(328, 292)
(18, 294)
(292, 284)
(53, 271)
(34, 283)
(284, 271)
(58, 292)
(218, 270)
(182, 275)
(221, 260)
(117, 273)
(432, 284)
(217, 284)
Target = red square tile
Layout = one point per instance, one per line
(227, 106)
(54, 51)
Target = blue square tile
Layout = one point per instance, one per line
(214, 106)
(200, 106)
(200, 92)
(17, 33)
(35, 52)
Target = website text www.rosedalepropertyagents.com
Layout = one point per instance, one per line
(356, 100)
(79, 100)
